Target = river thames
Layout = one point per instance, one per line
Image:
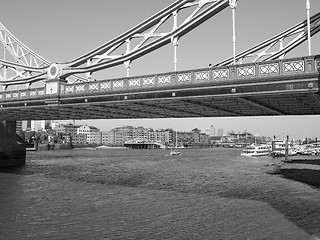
(148, 194)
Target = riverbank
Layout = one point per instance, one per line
(206, 172)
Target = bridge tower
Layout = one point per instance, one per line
(12, 148)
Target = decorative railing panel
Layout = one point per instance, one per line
(183, 77)
(164, 80)
(80, 88)
(246, 71)
(317, 64)
(293, 66)
(105, 86)
(33, 93)
(201, 76)
(220, 73)
(148, 81)
(41, 92)
(69, 89)
(269, 69)
(118, 84)
(93, 87)
(134, 83)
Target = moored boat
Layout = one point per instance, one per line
(309, 149)
(256, 151)
(282, 152)
(278, 148)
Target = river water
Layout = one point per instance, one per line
(89, 194)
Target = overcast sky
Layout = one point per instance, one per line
(62, 30)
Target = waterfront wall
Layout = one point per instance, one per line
(54, 146)
(12, 147)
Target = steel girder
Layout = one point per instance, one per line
(23, 63)
(264, 51)
(28, 67)
(104, 56)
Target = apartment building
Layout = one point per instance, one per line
(93, 134)
(84, 134)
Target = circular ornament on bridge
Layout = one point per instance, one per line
(53, 71)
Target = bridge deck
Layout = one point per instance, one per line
(282, 87)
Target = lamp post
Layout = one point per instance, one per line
(308, 23)
(233, 5)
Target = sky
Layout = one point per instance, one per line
(63, 30)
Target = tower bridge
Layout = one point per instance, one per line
(278, 87)
(257, 82)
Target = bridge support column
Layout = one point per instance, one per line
(12, 147)
(308, 26)
(233, 5)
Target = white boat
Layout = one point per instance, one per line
(282, 153)
(308, 149)
(279, 148)
(256, 151)
(174, 152)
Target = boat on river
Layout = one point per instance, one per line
(282, 153)
(279, 148)
(174, 152)
(256, 150)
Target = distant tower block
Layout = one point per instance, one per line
(212, 131)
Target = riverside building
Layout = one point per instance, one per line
(84, 134)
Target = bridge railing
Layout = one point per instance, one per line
(293, 66)
(23, 94)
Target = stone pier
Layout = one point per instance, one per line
(12, 147)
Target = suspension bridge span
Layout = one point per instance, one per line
(257, 82)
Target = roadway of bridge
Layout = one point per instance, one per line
(281, 87)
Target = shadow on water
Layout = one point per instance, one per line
(302, 174)
(305, 161)
(307, 176)
(12, 170)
